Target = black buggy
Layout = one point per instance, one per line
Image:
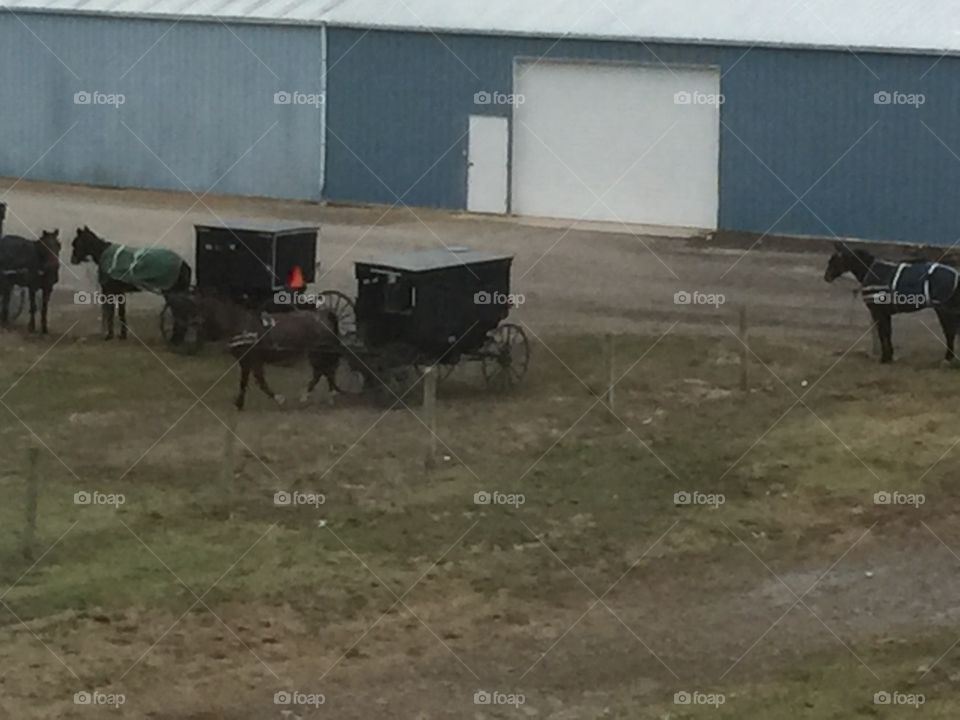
(433, 308)
(260, 266)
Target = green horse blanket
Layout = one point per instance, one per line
(151, 269)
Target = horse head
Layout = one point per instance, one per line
(86, 246)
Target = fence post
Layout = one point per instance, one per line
(611, 353)
(32, 492)
(430, 415)
(744, 351)
(228, 463)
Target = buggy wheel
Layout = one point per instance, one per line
(192, 339)
(505, 357)
(342, 307)
(349, 377)
(18, 300)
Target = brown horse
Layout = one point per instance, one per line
(34, 265)
(256, 339)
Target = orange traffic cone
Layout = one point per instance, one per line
(295, 279)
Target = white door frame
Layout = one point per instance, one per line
(495, 170)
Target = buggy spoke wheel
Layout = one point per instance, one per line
(192, 339)
(342, 307)
(506, 356)
(348, 378)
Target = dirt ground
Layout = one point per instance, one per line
(593, 280)
(600, 596)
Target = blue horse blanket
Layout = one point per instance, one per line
(151, 269)
(916, 285)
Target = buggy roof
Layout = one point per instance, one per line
(434, 259)
(257, 226)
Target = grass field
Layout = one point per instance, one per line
(600, 595)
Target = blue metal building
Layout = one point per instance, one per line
(780, 118)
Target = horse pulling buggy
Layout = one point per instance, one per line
(432, 308)
(262, 267)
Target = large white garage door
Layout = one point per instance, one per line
(622, 143)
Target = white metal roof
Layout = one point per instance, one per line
(898, 25)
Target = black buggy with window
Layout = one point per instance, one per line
(434, 308)
(262, 266)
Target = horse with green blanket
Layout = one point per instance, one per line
(122, 270)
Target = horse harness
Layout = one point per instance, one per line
(249, 338)
(917, 285)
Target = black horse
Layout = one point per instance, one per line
(890, 288)
(123, 270)
(34, 265)
(256, 339)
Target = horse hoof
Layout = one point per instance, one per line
(279, 399)
(305, 398)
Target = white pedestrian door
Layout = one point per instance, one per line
(487, 164)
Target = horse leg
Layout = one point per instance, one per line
(47, 291)
(106, 314)
(5, 292)
(32, 325)
(948, 322)
(885, 332)
(320, 364)
(262, 384)
(122, 313)
(244, 379)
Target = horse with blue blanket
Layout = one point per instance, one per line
(122, 270)
(890, 288)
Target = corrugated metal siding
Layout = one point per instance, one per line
(198, 95)
(401, 103)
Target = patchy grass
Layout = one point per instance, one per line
(797, 460)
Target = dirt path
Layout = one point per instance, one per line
(570, 279)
